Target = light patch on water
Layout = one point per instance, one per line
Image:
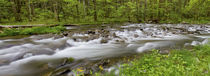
(136, 35)
(153, 45)
(9, 56)
(130, 36)
(11, 40)
(194, 43)
(78, 52)
(50, 40)
(203, 37)
(17, 67)
(131, 25)
(14, 49)
(79, 35)
(28, 55)
(206, 41)
(89, 51)
(1, 41)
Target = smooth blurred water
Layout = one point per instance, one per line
(36, 55)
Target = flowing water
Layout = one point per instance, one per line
(39, 54)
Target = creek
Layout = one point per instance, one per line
(40, 55)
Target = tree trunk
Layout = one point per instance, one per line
(17, 10)
(29, 9)
(95, 13)
(145, 10)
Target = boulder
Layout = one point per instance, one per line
(206, 41)
(164, 52)
(104, 41)
(194, 43)
(91, 32)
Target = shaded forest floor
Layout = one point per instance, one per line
(111, 21)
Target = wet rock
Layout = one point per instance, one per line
(104, 63)
(136, 35)
(91, 32)
(187, 44)
(194, 43)
(74, 39)
(120, 41)
(104, 41)
(64, 72)
(105, 35)
(63, 69)
(192, 29)
(71, 74)
(114, 35)
(142, 29)
(58, 36)
(92, 37)
(65, 34)
(206, 41)
(164, 52)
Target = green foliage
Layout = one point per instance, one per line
(195, 62)
(31, 31)
(177, 63)
(83, 11)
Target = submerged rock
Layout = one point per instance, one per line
(27, 55)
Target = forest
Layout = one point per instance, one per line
(104, 37)
(89, 11)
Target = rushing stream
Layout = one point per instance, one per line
(40, 54)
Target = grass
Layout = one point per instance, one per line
(195, 62)
(30, 31)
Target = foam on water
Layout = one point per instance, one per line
(153, 45)
(90, 51)
(14, 49)
(74, 43)
(82, 49)
(130, 36)
(79, 35)
(50, 40)
(203, 37)
(1, 42)
(77, 52)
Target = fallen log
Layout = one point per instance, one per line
(19, 26)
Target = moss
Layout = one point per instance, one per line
(70, 59)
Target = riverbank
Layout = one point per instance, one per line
(187, 62)
(112, 21)
(31, 31)
(28, 28)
